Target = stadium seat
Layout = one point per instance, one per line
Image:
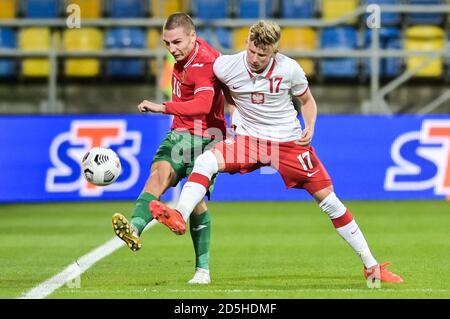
(387, 18)
(90, 9)
(390, 38)
(7, 41)
(300, 9)
(8, 9)
(248, 9)
(335, 39)
(425, 38)
(300, 38)
(211, 9)
(425, 18)
(35, 39)
(219, 38)
(125, 38)
(334, 9)
(162, 9)
(239, 37)
(127, 8)
(41, 8)
(84, 39)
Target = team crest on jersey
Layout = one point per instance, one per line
(257, 98)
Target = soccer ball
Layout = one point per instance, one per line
(101, 166)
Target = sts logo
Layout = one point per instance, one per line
(68, 148)
(422, 160)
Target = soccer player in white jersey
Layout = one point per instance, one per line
(262, 84)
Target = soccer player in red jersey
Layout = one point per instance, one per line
(262, 84)
(198, 109)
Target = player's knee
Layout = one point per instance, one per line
(206, 164)
(333, 206)
(160, 179)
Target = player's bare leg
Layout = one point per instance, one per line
(347, 227)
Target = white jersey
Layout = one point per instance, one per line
(263, 100)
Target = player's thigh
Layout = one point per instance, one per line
(234, 155)
(300, 167)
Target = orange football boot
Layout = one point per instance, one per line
(168, 216)
(380, 272)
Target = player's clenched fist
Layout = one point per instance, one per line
(147, 106)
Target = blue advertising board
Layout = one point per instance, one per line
(368, 158)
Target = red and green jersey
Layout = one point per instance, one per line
(197, 99)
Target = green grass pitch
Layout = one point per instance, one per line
(259, 250)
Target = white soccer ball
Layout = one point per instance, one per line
(101, 166)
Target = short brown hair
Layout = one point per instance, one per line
(179, 19)
(265, 33)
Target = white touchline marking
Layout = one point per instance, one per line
(77, 268)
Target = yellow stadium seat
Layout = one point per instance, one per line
(35, 39)
(239, 37)
(154, 41)
(334, 9)
(164, 8)
(425, 38)
(8, 9)
(300, 38)
(90, 9)
(84, 39)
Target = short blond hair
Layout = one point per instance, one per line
(265, 33)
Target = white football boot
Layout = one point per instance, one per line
(201, 277)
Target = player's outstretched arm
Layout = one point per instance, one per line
(147, 106)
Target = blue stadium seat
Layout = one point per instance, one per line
(339, 38)
(425, 18)
(41, 8)
(7, 41)
(390, 38)
(211, 9)
(127, 8)
(125, 38)
(303, 9)
(387, 18)
(249, 9)
(212, 36)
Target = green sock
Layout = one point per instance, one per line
(141, 215)
(200, 227)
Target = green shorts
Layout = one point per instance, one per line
(181, 149)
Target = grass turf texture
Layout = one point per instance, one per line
(259, 250)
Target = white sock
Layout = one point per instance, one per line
(355, 238)
(351, 233)
(192, 192)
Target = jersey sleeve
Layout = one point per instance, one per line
(299, 83)
(219, 68)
